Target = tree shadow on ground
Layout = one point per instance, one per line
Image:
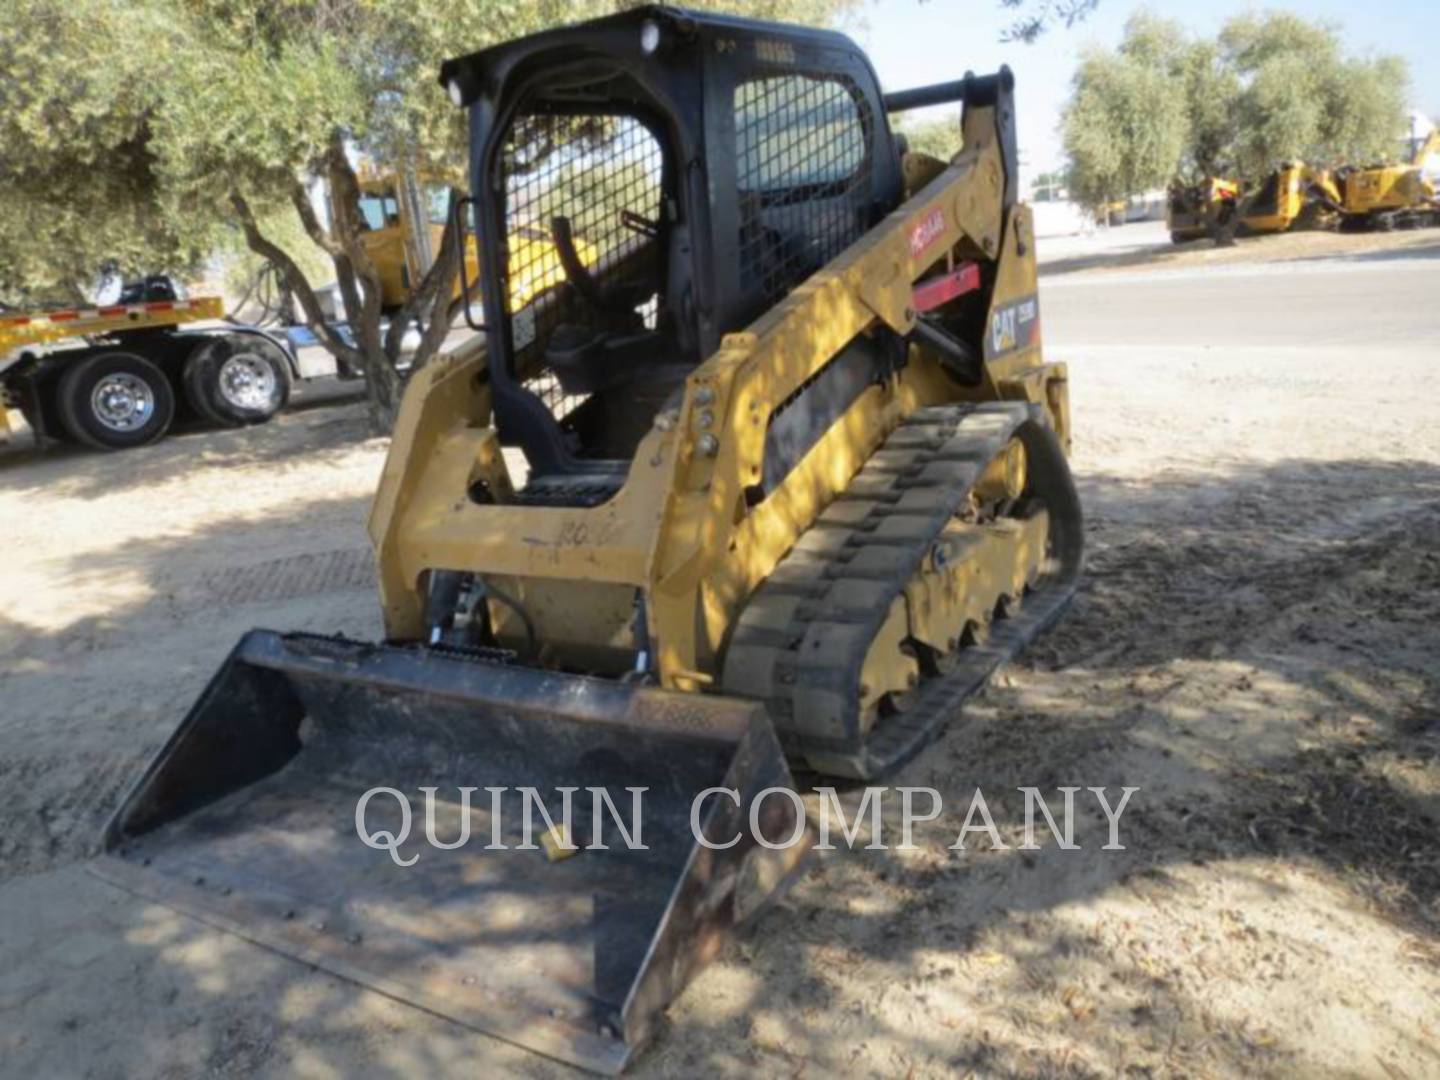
(1420, 251)
(1157, 255)
(324, 425)
(1258, 661)
(87, 702)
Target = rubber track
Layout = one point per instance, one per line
(833, 590)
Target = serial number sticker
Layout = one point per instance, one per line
(523, 327)
(775, 52)
(930, 229)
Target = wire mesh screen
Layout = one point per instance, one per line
(802, 157)
(604, 175)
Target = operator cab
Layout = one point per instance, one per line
(647, 184)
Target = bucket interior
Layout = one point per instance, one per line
(250, 820)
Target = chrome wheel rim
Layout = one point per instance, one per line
(246, 381)
(122, 402)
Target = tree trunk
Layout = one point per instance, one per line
(298, 283)
(428, 305)
(1222, 230)
(369, 352)
(360, 287)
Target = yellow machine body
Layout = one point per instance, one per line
(679, 529)
(1387, 187)
(1195, 210)
(675, 522)
(1288, 195)
(1386, 196)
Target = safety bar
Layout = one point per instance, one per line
(978, 90)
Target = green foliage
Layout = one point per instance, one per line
(1374, 93)
(1211, 87)
(238, 265)
(1046, 186)
(77, 96)
(938, 138)
(1035, 17)
(1124, 127)
(1300, 97)
(126, 124)
(1154, 41)
(1270, 88)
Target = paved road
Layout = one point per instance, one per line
(1278, 359)
(1380, 300)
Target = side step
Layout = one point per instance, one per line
(247, 820)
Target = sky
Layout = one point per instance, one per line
(914, 42)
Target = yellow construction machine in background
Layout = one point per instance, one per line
(1393, 196)
(1193, 211)
(403, 218)
(1296, 195)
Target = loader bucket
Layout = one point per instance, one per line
(247, 819)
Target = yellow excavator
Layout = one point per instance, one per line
(1394, 196)
(772, 483)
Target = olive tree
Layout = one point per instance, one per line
(136, 136)
(1301, 97)
(78, 193)
(1268, 89)
(1123, 128)
(1034, 17)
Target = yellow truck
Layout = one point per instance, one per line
(118, 375)
(403, 221)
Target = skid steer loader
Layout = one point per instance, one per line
(1193, 211)
(794, 482)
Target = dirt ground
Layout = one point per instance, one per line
(1255, 648)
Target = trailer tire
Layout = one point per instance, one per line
(237, 380)
(192, 382)
(114, 401)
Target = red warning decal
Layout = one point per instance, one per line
(930, 228)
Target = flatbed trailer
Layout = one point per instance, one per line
(120, 375)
